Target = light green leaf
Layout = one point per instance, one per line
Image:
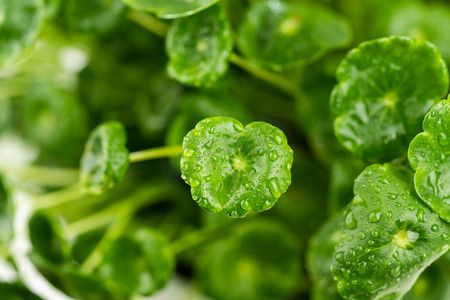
(280, 35)
(171, 9)
(429, 156)
(139, 263)
(235, 168)
(385, 88)
(198, 47)
(21, 22)
(105, 159)
(259, 261)
(390, 236)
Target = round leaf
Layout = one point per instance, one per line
(235, 168)
(259, 262)
(385, 88)
(198, 47)
(429, 156)
(281, 35)
(390, 236)
(105, 159)
(140, 263)
(20, 25)
(170, 9)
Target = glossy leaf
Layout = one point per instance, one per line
(92, 16)
(235, 168)
(320, 256)
(280, 35)
(429, 156)
(390, 236)
(383, 95)
(139, 263)
(258, 262)
(105, 159)
(21, 23)
(170, 9)
(198, 47)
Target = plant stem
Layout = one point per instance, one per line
(124, 212)
(149, 22)
(154, 153)
(195, 238)
(267, 76)
(58, 198)
(160, 29)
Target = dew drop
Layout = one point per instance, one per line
(395, 271)
(392, 196)
(345, 273)
(194, 182)
(198, 168)
(273, 155)
(274, 187)
(350, 221)
(339, 256)
(362, 267)
(375, 216)
(375, 234)
(278, 139)
(184, 166)
(434, 228)
(420, 215)
(443, 139)
(362, 235)
(371, 258)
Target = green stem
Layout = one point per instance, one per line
(145, 196)
(155, 153)
(149, 22)
(57, 198)
(267, 76)
(196, 238)
(160, 28)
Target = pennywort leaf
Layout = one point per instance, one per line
(429, 156)
(390, 236)
(280, 35)
(258, 262)
(170, 9)
(138, 263)
(105, 158)
(20, 25)
(198, 47)
(383, 94)
(234, 168)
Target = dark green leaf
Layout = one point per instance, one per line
(198, 47)
(170, 9)
(105, 159)
(383, 94)
(390, 236)
(235, 168)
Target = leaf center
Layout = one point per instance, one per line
(405, 239)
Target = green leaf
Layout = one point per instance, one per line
(429, 156)
(320, 256)
(280, 35)
(235, 168)
(170, 9)
(390, 236)
(141, 262)
(105, 159)
(198, 47)
(259, 261)
(383, 94)
(21, 23)
(90, 16)
(16, 292)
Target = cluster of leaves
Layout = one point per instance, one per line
(345, 196)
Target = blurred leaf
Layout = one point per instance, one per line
(383, 94)
(105, 159)
(281, 35)
(259, 261)
(198, 47)
(15, 292)
(234, 168)
(170, 9)
(139, 263)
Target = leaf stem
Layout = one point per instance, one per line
(155, 153)
(160, 29)
(57, 198)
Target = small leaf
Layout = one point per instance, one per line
(21, 22)
(320, 256)
(428, 155)
(171, 9)
(383, 94)
(282, 35)
(140, 263)
(105, 159)
(259, 261)
(390, 236)
(235, 168)
(198, 47)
